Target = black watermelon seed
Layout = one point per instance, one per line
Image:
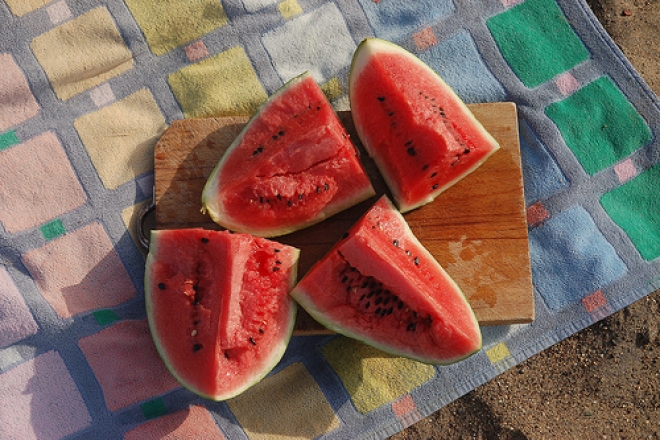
(412, 151)
(363, 297)
(466, 151)
(274, 137)
(399, 305)
(433, 174)
(300, 196)
(344, 279)
(279, 196)
(365, 284)
(378, 310)
(386, 301)
(425, 167)
(197, 347)
(326, 186)
(281, 133)
(278, 262)
(276, 250)
(226, 354)
(345, 235)
(390, 114)
(318, 190)
(416, 261)
(257, 151)
(381, 98)
(408, 143)
(366, 306)
(261, 331)
(252, 341)
(407, 252)
(275, 269)
(205, 240)
(378, 300)
(411, 327)
(289, 203)
(435, 186)
(162, 286)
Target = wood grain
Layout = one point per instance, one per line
(476, 229)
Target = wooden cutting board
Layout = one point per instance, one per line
(476, 229)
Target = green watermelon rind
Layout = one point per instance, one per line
(276, 353)
(365, 49)
(304, 300)
(212, 206)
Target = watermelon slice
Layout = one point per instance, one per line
(381, 286)
(420, 134)
(291, 166)
(218, 307)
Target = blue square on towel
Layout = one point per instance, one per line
(571, 258)
(392, 20)
(541, 174)
(459, 63)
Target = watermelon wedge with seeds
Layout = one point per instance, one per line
(218, 307)
(381, 286)
(291, 166)
(420, 134)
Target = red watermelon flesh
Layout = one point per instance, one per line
(380, 285)
(291, 166)
(421, 135)
(218, 307)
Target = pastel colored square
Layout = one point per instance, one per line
(289, 403)
(120, 137)
(153, 408)
(196, 51)
(498, 353)
(126, 364)
(79, 272)
(371, 377)
(541, 173)
(43, 388)
(425, 39)
(460, 64)
(319, 40)
(9, 358)
(105, 316)
(406, 410)
(571, 258)
(289, 8)
(537, 214)
(194, 422)
(537, 41)
(52, 229)
(22, 7)
(635, 207)
(566, 83)
(8, 139)
(333, 89)
(102, 95)
(58, 12)
(82, 53)
(625, 170)
(16, 321)
(39, 183)
(599, 125)
(223, 85)
(393, 20)
(167, 24)
(17, 103)
(594, 301)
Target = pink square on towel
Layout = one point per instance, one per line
(16, 321)
(39, 400)
(425, 38)
(39, 183)
(192, 423)
(625, 170)
(566, 83)
(126, 364)
(80, 271)
(17, 103)
(196, 51)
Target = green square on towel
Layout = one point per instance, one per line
(635, 207)
(537, 41)
(599, 125)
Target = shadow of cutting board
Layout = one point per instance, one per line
(476, 229)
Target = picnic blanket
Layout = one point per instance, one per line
(87, 88)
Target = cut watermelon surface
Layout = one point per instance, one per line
(420, 134)
(291, 166)
(381, 286)
(218, 307)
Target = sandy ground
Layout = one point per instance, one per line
(603, 382)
